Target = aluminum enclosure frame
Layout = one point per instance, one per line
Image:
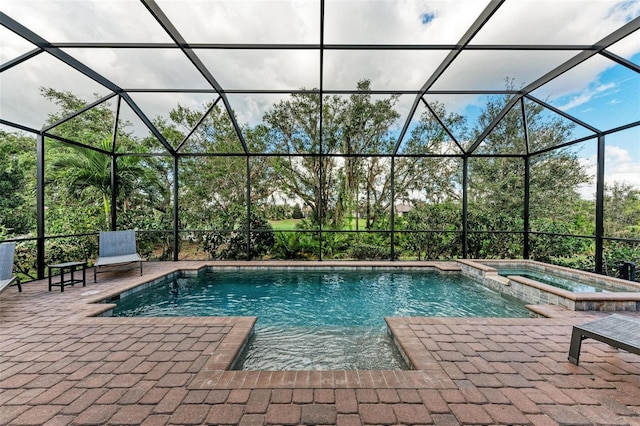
(189, 50)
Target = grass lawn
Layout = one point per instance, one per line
(290, 224)
(284, 225)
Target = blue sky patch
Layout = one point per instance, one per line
(428, 17)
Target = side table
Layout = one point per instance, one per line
(71, 267)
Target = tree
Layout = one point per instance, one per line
(496, 179)
(443, 218)
(344, 173)
(431, 179)
(213, 169)
(331, 184)
(496, 184)
(85, 171)
(294, 130)
(91, 128)
(367, 131)
(621, 220)
(233, 245)
(431, 185)
(297, 212)
(621, 211)
(17, 183)
(79, 176)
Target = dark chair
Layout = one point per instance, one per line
(615, 330)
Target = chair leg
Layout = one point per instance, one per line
(95, 274)
(140, 268)
(574, 348)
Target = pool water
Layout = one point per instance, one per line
(320, 320)
(321, 348)
(556, 281)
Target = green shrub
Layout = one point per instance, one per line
(369, 252)
(297, 212)
(292, 245)
(233, 244)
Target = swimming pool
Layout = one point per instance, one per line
(320, 319)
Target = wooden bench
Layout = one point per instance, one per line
(616, 330)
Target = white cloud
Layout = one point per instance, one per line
(620, 166)
(280, 21)
(20, 98)
(586, 96)
(245, 21)
(398, 21)
(556, 22)
(86, 20)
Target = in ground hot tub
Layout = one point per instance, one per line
(543, 284)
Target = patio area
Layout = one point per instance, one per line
(59, 365)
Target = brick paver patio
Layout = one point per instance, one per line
(61, 365)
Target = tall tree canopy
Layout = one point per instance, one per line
(342, 180)
(354, 130)
(17, 186)
(83, 172)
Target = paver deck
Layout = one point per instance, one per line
(61, 365)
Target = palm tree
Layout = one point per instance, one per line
(83, 170)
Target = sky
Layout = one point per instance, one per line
(598, 91)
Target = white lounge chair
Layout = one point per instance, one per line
(7, 252)
(118, 249)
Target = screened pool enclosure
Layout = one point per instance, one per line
(322, 129)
